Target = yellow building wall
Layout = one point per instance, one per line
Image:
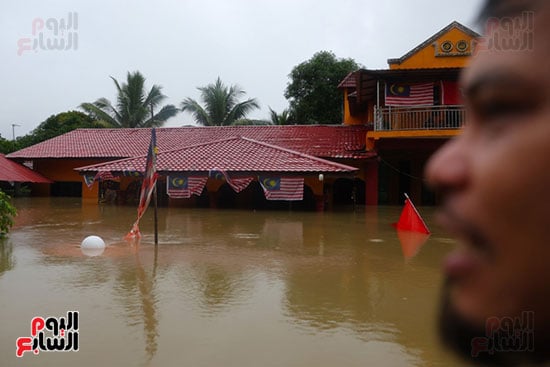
(353, 119)
(63, 170)
(426, 57)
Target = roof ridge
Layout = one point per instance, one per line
(304, 155)
(453, 24)
(160, 152)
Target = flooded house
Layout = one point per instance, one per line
(327, 160)
(394, 119)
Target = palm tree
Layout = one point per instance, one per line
(133, 107)
(279, 119)
(221, 105)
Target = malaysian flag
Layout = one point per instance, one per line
(238, 184)
(106, 176)
(149, 182)
(283, 188)
(398, 94)
(182, 187)
(89, 179)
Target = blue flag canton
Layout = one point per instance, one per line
(399, 90)
(271, 184)
(216, 174)
(178, 183)
(89, 179)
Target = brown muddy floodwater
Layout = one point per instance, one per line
(225, 288)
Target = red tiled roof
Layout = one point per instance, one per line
(330, 141)
(15, 172)
(236, 154)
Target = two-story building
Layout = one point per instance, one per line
(412, 108)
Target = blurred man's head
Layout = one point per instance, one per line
(495, 183)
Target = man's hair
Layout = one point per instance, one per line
(507, 8)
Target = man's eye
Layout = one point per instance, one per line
(502, 109)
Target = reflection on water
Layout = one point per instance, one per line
(7, 261)
(223, 287)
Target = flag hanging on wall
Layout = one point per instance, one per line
(89, 179)
(238, 184)
(149, 182)
(283, 188)
(182, 187)
(450, 93)
(400, 94)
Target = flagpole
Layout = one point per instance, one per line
(155, 196)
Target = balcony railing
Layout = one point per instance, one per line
(418, 118)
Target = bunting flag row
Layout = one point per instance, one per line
(275, 188)
(182, 187)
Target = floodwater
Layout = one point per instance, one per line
(223, 288)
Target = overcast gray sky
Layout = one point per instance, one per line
(181, 45)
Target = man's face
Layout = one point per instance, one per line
(495, 181)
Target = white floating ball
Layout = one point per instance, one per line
(92, 242)
(92, 246)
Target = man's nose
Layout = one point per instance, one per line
(448, 168)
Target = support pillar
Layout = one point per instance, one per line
(319, 203)
(371, 182)
(213, 199)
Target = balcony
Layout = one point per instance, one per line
(409, 118)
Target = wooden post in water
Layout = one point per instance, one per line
(156, 216)
(155, 196)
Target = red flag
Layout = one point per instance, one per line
(149, 182)
(450, 93)
(410, 219)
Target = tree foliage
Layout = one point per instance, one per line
(7, 146)
(221, 105)
(53, 126)
(283, 118)
(133, 107)
(312, 91)
(7, 213)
